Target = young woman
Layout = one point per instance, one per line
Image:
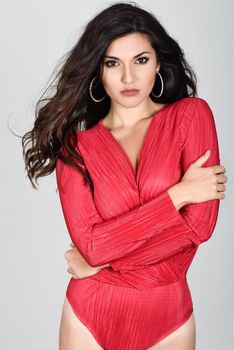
(128, 135)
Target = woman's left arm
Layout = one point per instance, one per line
(197, 134)
(109, 241)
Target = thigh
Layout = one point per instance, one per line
(183, 338)
(73, 334)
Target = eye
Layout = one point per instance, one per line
(143, 58)
(109, 65)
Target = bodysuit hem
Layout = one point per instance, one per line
(94, 334)
(92, 331)
(173, 329)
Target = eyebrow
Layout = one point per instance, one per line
(139, 54)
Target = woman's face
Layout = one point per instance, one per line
(130, 63)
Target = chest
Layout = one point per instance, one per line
(129, 168)
(132, 139)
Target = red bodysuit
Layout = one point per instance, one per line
(132, 224)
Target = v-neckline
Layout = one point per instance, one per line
(144, 143)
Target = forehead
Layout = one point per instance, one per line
(130, 43)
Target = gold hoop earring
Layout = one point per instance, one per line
(162, 86)
(91, 94)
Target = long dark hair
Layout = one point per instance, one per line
(71, 108)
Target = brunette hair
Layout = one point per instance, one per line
(71, 108)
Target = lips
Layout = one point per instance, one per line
(130, 92)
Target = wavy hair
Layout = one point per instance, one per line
(70, 108)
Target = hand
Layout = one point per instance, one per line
(78, 266)
(204, 183)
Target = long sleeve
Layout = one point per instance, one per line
(102, 241)
(198, 134)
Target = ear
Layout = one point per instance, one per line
(158, 67)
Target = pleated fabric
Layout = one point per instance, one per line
(127, 318)
(132, 224)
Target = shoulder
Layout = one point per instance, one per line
(184, 110)
(196, 115)
(194, 108)
(197, 104)
(190, 105)
(88, 140)
(87, 133)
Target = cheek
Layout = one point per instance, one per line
(149, 75)
(148, 80)
(110, 81)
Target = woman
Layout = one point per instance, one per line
(138, 190)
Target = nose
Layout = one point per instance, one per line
(127, 75)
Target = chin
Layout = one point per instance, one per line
(129, 105)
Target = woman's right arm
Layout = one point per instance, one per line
(100, 241)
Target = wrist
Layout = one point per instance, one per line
(179, 195)
(107, 265)
(100, 267)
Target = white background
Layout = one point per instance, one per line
(34, 36)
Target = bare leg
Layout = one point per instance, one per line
(183, 338)
(73, 335)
